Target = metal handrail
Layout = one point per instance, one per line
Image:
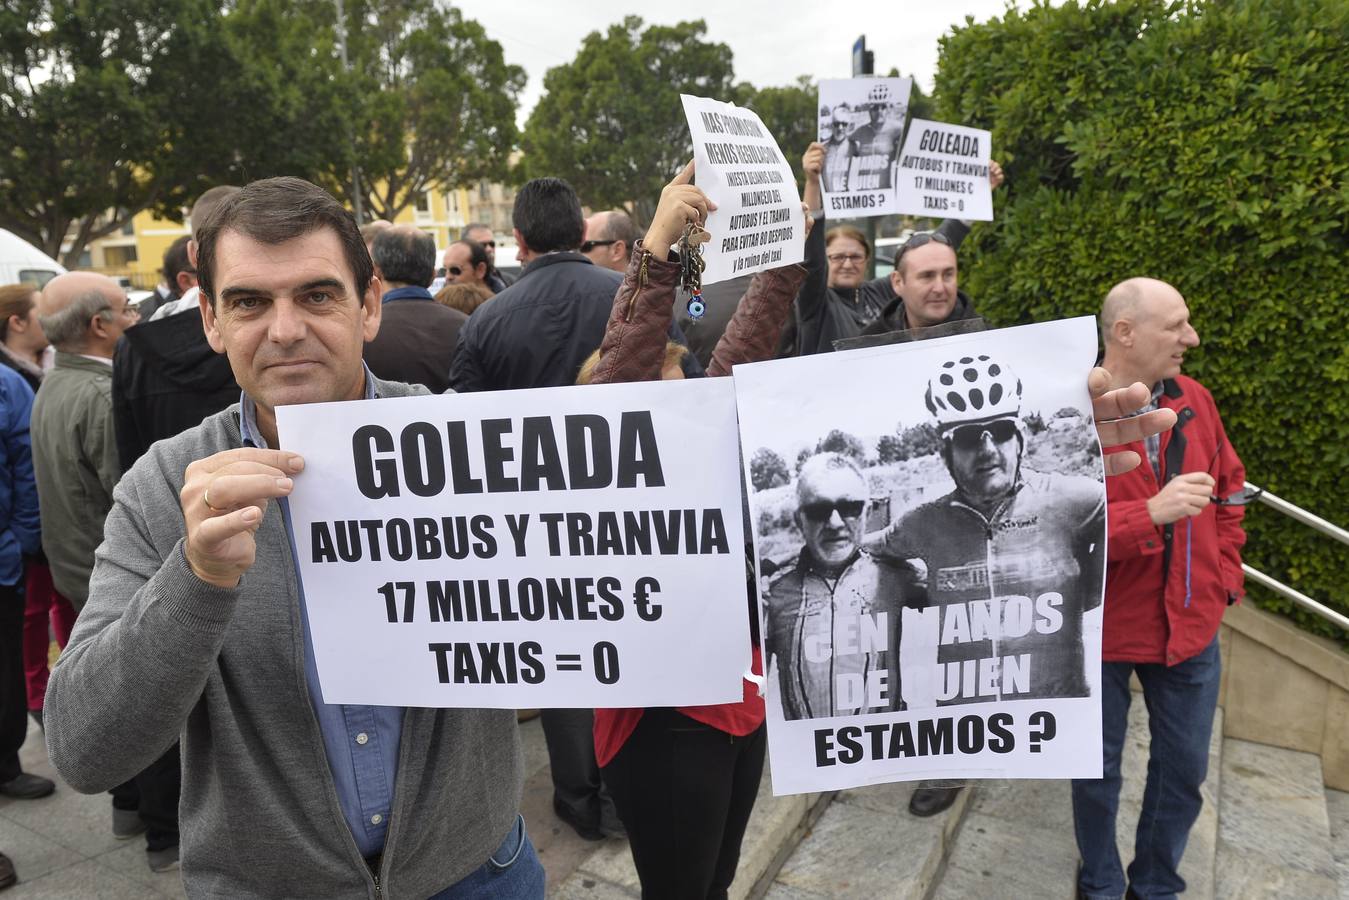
(1300, 514)
(1297, 597)
(1316, 523)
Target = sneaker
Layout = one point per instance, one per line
(27, 787)
(930, 801)
(126, 824)
(8, 877)
(165, 860)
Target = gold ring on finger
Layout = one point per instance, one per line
(206, 498)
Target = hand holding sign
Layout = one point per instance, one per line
(224, 498)
(681, 203)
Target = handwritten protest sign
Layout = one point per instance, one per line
(562, 547)
(861, 123)
(758, 223)
(931, 590)
(943, 172)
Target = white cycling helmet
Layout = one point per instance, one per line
(973, 389)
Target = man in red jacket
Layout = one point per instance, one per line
(1173, 566)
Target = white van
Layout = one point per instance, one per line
(21, 261)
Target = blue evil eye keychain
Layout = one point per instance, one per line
(691, 266)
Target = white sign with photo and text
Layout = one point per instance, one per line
(943, 172)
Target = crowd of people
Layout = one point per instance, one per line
(144, 524)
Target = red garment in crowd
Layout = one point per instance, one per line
(42, 603)
(613, 727)
(1164, 605)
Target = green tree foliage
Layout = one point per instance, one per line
(788, 113)
(767, 470)
(1206, 144)
(98, 106)
(611, 122)
(432, 102)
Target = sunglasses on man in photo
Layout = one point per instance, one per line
(587, 246)
(971, 437)
(822, 510)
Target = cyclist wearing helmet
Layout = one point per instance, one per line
(876, 144)
(833, 611)
(1013, 556)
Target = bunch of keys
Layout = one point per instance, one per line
(691, 267)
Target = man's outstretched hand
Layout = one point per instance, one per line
(1115, 424)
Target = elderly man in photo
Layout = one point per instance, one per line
(1174, 568)
(832, 611)
(197, 624)
(467, 262)
(1029, 541)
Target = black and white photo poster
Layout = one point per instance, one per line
(559, 547)
(929, 525)
(861, 127)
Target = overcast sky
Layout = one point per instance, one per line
(773, 41)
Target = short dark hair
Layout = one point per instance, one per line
(405, 254)
(548, 215)
(276, 210)
(175, 261)
(477, 253)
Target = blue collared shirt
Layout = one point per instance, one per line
(408, 292)
(361, 742)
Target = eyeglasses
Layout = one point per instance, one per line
(492, 244)
(822, 510)
(846, 257)
(587, 246)
(918, 240)
(971, 437)
(454, 270)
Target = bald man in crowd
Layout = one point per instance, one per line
(1173, 567)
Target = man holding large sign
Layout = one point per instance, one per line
(196, 619)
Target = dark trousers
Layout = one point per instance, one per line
(1180, 700)
(577, 786)
(13, 693)
(153, 793)
(684, 791)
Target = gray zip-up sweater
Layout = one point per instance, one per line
(158, 654)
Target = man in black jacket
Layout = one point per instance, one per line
(538, 331)
(417, 335)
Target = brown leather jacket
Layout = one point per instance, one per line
(634, 339)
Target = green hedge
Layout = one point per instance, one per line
(1206, 144)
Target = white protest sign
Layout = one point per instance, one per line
(560, 547)
(943, 172)
(861, 122)
(758, 223)
(931, 589)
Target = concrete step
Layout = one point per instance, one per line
(1017, 839)
(868, 845)
(1337, 806)
(1274, 836)
(776, 826)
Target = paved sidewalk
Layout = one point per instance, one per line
(63, 848)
